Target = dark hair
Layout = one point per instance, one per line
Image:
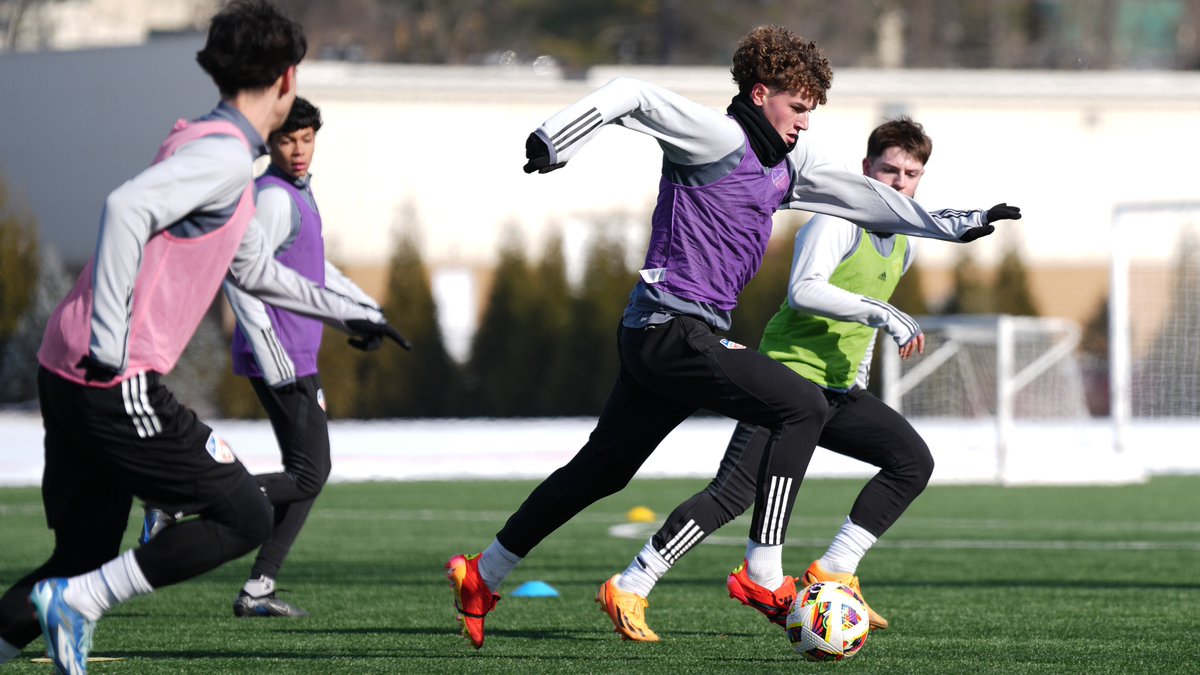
(302, 116)
(782, 60)
(902, 133)
(250, 44)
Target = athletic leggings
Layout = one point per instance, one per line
(302, 430)
(667, 372)
(859, 426)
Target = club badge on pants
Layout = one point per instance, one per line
(219, 450)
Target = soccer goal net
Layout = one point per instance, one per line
(1001, 399)
(1154, 328)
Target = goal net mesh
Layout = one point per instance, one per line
(965, 364)
(1163, 276)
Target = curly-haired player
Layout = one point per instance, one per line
(723, 177)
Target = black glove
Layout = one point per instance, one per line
(539, 156)
(285, 388)
(370, 335)
(1002, 211)
(95, 371)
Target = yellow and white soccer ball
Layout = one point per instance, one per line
(827, 622)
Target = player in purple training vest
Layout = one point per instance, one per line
(277, 351)
(723, 177)
(168, 238)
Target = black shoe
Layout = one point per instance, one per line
(268, 605)
(154, 521)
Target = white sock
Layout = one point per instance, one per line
(847, 549)
(8, 652)
(260, 587)
(644, 571)
(496, 563)
(94, 593)
(764, 564)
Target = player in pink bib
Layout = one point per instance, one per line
(168, 238)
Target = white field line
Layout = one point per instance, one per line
(642, 531)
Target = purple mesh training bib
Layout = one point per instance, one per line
(299, 335)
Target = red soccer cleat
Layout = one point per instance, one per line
(472, 598)
(775, 605)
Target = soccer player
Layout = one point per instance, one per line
(277, 351)
(167, 239)
(724, 175)
(841, 279)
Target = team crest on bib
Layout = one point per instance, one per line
(321, 399)
(219, 450)
(730, 344)
(779, 177)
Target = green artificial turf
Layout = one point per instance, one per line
(973, 579)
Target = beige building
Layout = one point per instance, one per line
(443, 146)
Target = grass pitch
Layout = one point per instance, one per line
(973, 579)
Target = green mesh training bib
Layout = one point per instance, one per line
(827, 351)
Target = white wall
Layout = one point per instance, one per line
(1066, 147)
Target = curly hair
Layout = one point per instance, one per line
(902, 133)
(782, 60)
(250, 44)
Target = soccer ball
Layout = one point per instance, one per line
(827, 622)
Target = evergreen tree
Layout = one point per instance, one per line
(18, 262)
(498, 381)
(550, 320)
(421, 383)
(18, 359)
(971, 294)
(1093, 357)
(1011, 291)
(587, 363)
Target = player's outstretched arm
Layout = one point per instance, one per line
(689, 133)
(256, 271)
(822, 186)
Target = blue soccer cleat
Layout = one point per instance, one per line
(68, 633)
(155, 520)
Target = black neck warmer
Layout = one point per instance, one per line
(764, 139)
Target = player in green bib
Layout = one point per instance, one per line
(841, 279)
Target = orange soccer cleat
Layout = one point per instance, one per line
(816, 573)
(627, 611)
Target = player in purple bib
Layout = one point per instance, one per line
(277, 351)
(724, 175)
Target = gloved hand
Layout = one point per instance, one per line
(1000, 211)
(95, 371)
(285, 388)
(539, 156)
(370, 335)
